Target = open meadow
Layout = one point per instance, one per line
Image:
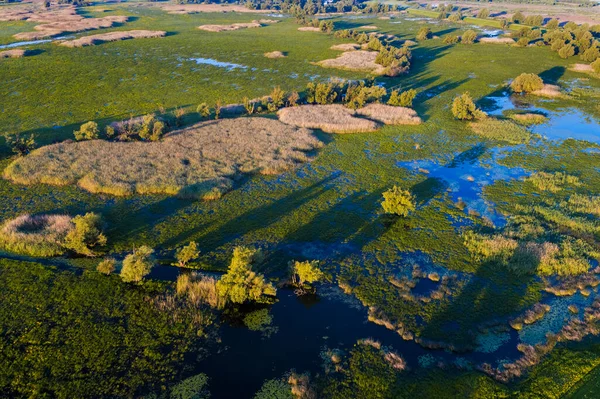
(250, 204)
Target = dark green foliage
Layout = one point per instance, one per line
(424, 33)
(468, 37)
(101, 338)
(20, 145)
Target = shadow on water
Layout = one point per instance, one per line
(306, 327)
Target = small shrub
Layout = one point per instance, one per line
(552, 24)
(20, 145)
(137, 265)
(468, 37)
(277, 99)
(463, 108)
(109, 131)
(404, 99)
(424, 33)
(306, 272)
(107, 266)
(591, 54)
(249, 105)
(398, 202)
(86, 235)
(522, 42)
(186, 254)
(596, 66)
(527, 83)
(483, 13)
(451, 39)
(195, 387)
(204, 110)
(293, 99)
(87, 131)
(566, 51)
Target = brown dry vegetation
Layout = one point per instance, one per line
(112, 37)
(497, 40)
(390, 115)
(345, 47)
(275, 54)
(196, 8)
(77, 23)
(309, 29)
(355, 61)
(225, 28)
(201, 161)
(40, 235)
(334, 118)
(549, 90)
(17, 53)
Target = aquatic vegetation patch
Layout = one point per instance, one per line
(528, 119)
(198, 162)
(503, 130)
(112, 37)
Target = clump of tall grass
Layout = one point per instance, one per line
(199, 289)
(528, 119)
(390, 115)
(553, 182)
(201, 161)
(38, 235)
(332, 118)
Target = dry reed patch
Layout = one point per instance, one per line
(333, 118)
(355, 61)
(112, 37)
(226, 28)
(345, 47)
(497, 40)
(368, 27)
(390, 115)
(76, 24)
(551, 91)
(201, 161)
(409, 43)
(17, 53)
(309, 29)
(581, 68)
(196, 8)
(275, 54)
(40, 235)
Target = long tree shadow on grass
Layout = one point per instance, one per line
(256, 218)
(553, 75)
